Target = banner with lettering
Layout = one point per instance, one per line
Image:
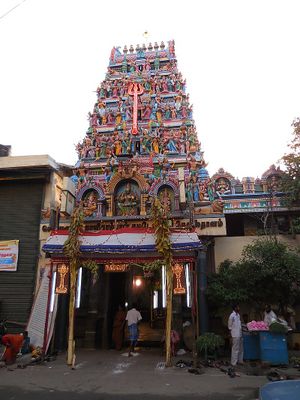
(9, 250)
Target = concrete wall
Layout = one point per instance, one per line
(231, 247)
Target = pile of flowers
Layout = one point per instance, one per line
(257, 326)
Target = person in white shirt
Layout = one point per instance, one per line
(133, 317)
(269, 316)
(235, 327)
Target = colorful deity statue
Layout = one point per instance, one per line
(109, 116)
(127, 201)
(165, 168)
(189, 190)
(104, 119)
(165, 199)
(81, 175)
(90, 204)
(178, 103)
(146, 143)
(147, 111)
(164, 85)
(159, 115)
(173, 113)
(167, 112)
(195, 188)
(202, 191)
(210, 190)
(147, 86)
(115, 91)
(171, 146)
(193, 165)
(155, 145)
(184, 111)
(101, 108)
(126, 143)
(118, 146)
(222, 186)
(108, 170)
(118, 118)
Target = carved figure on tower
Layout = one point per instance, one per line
(90, 204)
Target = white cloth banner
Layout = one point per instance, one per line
(40, 325)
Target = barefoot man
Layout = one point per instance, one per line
(133, 317)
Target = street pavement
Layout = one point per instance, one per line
(112, 375)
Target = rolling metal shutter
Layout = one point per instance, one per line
(20, 209)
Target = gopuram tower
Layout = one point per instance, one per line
(142, 142)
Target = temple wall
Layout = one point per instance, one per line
(231, 247)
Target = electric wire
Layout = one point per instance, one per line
(13, 8)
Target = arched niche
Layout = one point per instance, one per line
(129, 175)
(93, 201)
(127, 198)
(167, 189)
(166, 196)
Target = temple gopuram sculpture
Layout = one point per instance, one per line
(142, 142)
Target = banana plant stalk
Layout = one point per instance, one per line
(72, 251)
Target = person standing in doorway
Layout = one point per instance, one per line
(118, 328)
(235, 327)
(133, 317)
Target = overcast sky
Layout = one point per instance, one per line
(241, 60)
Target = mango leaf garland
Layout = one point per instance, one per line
(161, 226)
(72, 244)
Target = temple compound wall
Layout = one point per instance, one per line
(231, 247)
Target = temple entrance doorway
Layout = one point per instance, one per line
(150, 330)
(132, 287)
(118, 293)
